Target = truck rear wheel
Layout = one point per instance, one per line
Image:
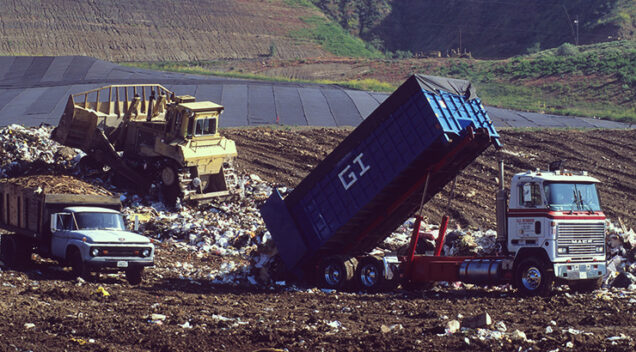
(336, 272)
(15, 252)
(7, 250)
(134, 275)
(533, 277)
(370, 274)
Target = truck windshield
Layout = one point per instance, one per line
(572, 196)
(206, 126)
(99, 221)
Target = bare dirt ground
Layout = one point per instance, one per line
(43, 309)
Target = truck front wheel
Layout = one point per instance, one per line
(134, 275)
(533, 277)
(336, 272)
(78, 267)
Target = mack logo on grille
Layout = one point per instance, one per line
(582, 241)
(122, 239)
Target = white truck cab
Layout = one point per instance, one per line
(92, 238)
(556, 217)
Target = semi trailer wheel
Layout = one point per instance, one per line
(370, 275)
(134, 275)
(336, 272)
(534, 277)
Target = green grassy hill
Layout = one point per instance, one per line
(485, 28)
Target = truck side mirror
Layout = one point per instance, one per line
(136, 227)
(53, 222)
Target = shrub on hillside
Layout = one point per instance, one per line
(567, 49)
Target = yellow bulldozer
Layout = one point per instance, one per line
(147, 135)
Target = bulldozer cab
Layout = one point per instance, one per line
(194, 120)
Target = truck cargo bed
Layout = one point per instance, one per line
(374, 180)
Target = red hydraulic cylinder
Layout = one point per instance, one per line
(413, 245)
(440, 236)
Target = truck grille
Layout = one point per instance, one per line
(581, 239)
(121, 251)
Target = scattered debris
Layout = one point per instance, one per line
(452, 326)
(478, 321)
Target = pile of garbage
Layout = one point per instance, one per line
(232, 229)
(28, 151)
(621, 256)
(62, 184)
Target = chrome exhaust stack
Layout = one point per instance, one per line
(501, 211)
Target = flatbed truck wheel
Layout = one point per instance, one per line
(370, 274)
(134, 275)
(78, 267)
(8, 250)
(534, 277)
(336, 272)
(15, 252)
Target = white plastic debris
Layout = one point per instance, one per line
(452, 327)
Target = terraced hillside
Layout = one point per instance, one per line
(156, 29)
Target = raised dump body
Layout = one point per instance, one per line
(374, 180)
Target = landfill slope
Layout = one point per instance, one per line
(158, 30)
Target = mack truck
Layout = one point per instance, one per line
(550, 225)
(84, 232)
(146, 134)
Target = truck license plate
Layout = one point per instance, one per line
(583, 275)
(122, 264)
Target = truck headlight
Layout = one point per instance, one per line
(599, 249)
(95, 252)
(145, 252)
(562, 250)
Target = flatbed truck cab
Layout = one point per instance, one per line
(93, 239)
(556, 217)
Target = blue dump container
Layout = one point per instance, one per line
(373, 181)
